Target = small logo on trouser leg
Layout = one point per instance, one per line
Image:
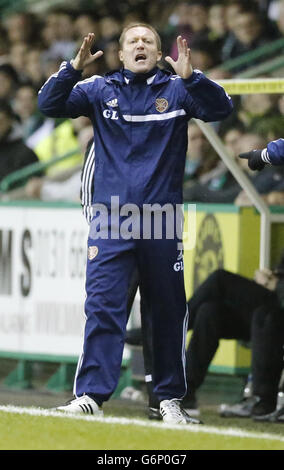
(92, 252)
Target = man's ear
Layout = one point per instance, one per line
(120, 55)
(159, 56)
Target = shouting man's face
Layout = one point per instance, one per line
(139, 52)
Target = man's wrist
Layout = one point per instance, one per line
(75, 66)
(189, 75)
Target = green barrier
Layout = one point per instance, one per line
(267, 67)
(30, 170)
(8, 7)
(260, 52)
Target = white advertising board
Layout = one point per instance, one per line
(42, 280)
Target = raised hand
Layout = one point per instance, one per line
(182, 66)
(84, 56)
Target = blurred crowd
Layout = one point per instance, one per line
(32, 47)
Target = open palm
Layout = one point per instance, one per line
(182, 66)
(84, 56)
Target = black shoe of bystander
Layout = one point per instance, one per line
(247, 408)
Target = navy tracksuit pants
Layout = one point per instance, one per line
(110, 267)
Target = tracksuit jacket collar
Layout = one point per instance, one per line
(124, 76)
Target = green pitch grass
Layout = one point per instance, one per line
(26, 432)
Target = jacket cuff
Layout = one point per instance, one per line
(265, 156)
(194, 78)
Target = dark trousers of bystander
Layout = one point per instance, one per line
(229, 306)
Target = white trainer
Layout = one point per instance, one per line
(83, 404)
(171, 412)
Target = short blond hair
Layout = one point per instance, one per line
(144, 25)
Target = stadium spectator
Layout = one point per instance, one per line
(258, 114)
(190, 19)
(279, 17)
(111, 58)
(33, 67)
(25, 106)
(140, 52)
(59, 35)
(232, 8)
(8, 82)
(49, 34)
(14, 154)
(17, 59)
(233, 139)
(64, 185)
(218, 29)
(110, 29)
(56, 138)
(217, 184)
(256, 108)
(4, 45)
(133, 16)
(85, 22)
(248, 31)
(201, 159)
(22, 27)
(204, 54)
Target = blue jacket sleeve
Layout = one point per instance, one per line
(275, 150)
(61, 97)
(205, 99)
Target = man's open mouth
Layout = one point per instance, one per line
(140, 57)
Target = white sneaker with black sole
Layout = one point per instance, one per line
(81, 405)
(172, 413)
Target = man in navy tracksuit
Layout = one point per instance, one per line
(140, 115)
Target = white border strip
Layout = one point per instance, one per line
(234, 432)
(154, 117)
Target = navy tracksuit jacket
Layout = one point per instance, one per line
(275, 152)
(140, 140)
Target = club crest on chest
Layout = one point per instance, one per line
(161, 105)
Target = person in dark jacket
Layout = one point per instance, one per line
(14, 154)
(229, 306)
